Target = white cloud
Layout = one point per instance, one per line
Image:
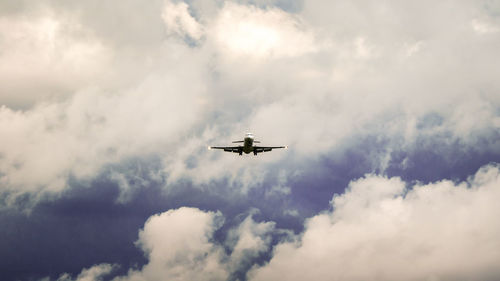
(483, 27)
(317, 80)
(382, 230)
(179, 21)
(379, 229)
(179, 245)
(43, 146)
(280, 188)
(242, 30)
(45, 57)
(247, 241)
(81, 90)
(94, 273)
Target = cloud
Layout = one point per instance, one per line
(179, 245)
(383, 229)
(46, 56)
(249, 31)
(44, 146)
(314, 81)
(380, 228)
(248, 241)
(482, 27)
(178, 21)
(95, 273)
(129, 94)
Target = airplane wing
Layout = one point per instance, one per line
(259, 149)
(235, 149)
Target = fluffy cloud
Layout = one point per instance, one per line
(272, 33)
(248, 241)
(308, 79)
(46, 57)
(383, 229)
(179, 22)
(95, 273)
(179, 245)
(88, 87)
(43, 147)
(380, 229)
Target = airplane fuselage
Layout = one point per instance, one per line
(248, 144)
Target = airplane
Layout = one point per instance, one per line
(247, 146)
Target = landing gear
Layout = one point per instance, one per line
(255, 153)
(240, 152)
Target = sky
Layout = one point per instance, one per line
(390, 109)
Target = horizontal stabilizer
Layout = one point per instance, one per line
(237, 141)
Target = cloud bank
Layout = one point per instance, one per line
(379, 229)
(223, 68)
(179, 245)
(384, 229)
(128, 95)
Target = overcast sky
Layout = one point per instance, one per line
(391, 110)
